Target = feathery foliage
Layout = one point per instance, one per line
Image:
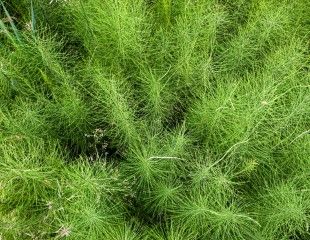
(154, 119)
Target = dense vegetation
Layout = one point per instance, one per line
(154, 119)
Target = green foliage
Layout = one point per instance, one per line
(284, 208)
(154, 119)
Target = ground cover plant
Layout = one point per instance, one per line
(154, 119)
